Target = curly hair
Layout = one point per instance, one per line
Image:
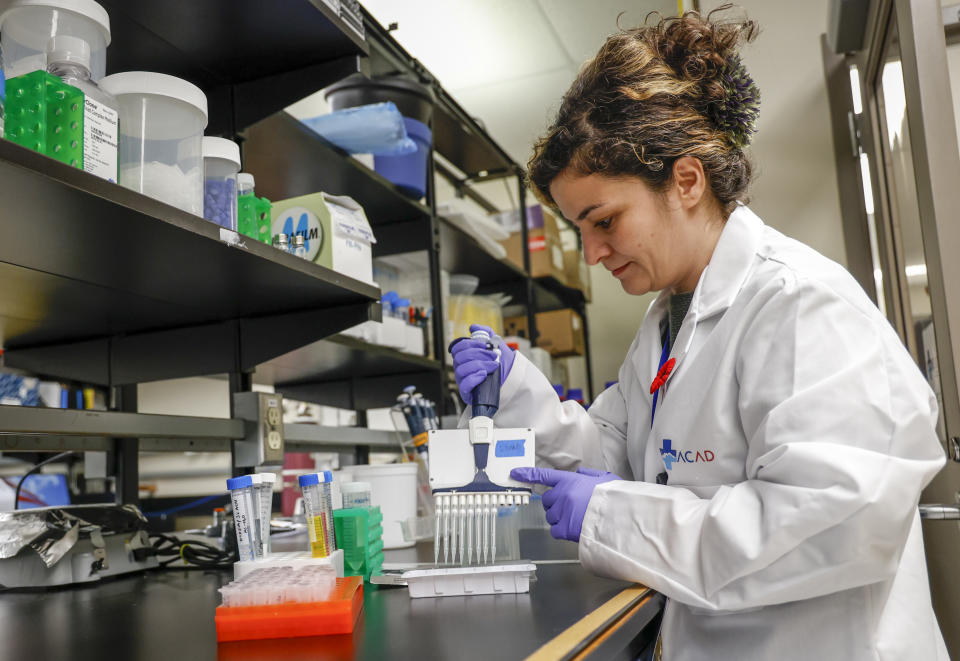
(651, 95)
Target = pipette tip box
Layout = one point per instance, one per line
(316, 609)
(460, 581)
(293, 559)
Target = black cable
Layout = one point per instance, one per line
(37, 467)
(197, 553)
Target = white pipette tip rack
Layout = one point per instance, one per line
(266, 586)
(460, 581)
(292, 559)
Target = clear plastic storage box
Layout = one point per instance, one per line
(162, 119)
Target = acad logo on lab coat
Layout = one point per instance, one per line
(672, 455)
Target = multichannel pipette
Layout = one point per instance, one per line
(470, 483)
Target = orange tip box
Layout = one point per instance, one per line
(337, 613)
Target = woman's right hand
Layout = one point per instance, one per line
(473, 361)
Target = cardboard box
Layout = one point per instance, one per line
(577, 272)
(338, 235)
(546, 253)
(517, 326)
(571, 268)
(560, 331)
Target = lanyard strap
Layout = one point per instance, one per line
(663, 360)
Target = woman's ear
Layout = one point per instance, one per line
(690, 182)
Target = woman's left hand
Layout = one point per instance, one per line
(566, 502)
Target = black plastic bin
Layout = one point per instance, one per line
(412, 99)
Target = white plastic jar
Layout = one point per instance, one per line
(393, 488)
(162, 119)
(355, 494)
(27, 26)
(221, 164)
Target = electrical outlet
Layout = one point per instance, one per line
(263, 416)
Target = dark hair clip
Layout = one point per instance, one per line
(736, 113)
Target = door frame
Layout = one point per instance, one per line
(936, 162)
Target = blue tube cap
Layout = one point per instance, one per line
(308, 480)
(558, 388)
(239, 482)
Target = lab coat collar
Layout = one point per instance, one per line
(729, 265)
(719, 283)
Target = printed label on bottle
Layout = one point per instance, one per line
(100, 134)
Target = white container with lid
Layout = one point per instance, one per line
(161, 132)
(221, 163)
(27, 26)
(393, 488)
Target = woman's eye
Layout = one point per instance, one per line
(603, 224)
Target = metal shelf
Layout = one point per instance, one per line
(24, 428)
(31, 429)
(349, 373)
(461, 253)
(252, 58)
(551, 294)
(306, 438)
(458, 137)
(83, 260)
(289, 159)
(339, 357)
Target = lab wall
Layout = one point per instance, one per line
(795, 189)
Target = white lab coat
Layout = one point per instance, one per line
(799, 434)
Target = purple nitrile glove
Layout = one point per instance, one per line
(566, 503)
(472, 361)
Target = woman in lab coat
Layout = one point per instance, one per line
(761, 458)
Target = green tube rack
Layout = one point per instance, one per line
(46, 115)
(359, 532)
(253, 217)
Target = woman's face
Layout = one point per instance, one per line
(641, 237)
